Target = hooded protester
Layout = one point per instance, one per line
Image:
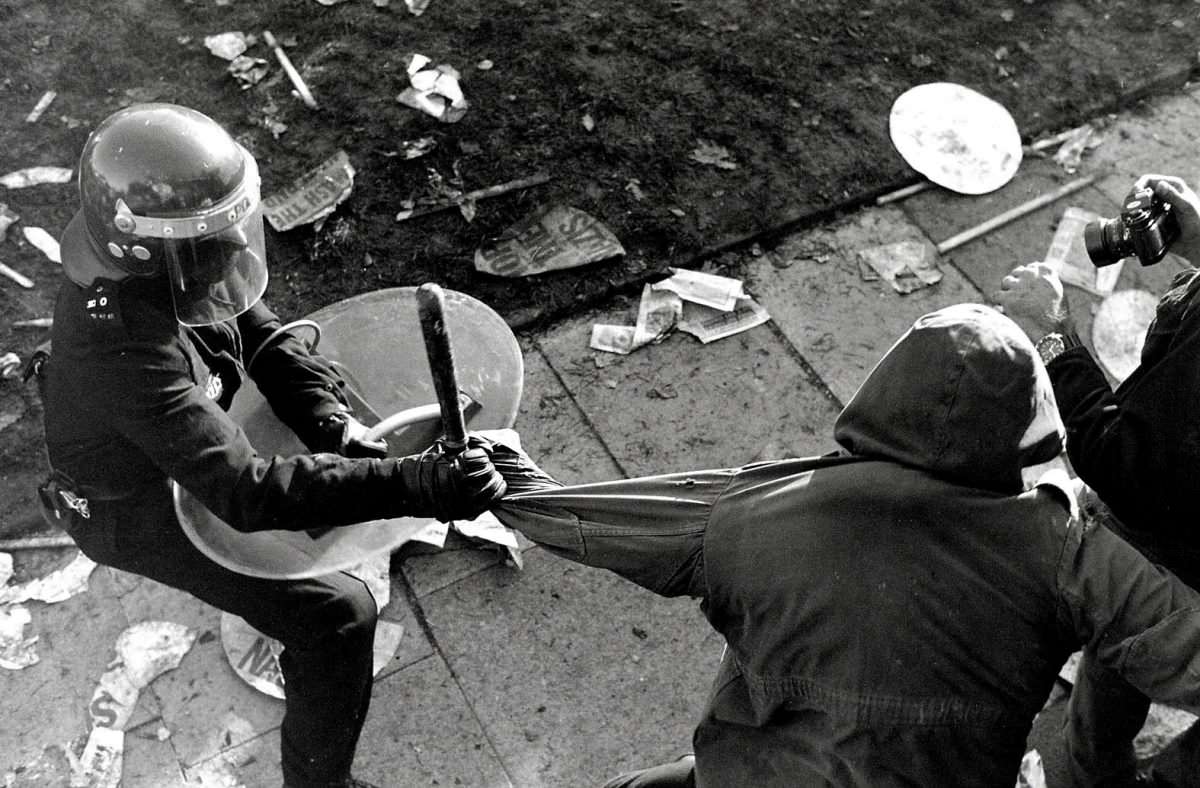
(895, 612)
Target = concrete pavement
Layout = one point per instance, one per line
(559, 675)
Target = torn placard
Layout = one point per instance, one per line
(44, 241)
(102, 761)
(906, 265)
(145, 651)
(550, 239)
(227, 46)
(36, 176)
(16, 650)
(434, 90)
(313, 196)
(59, 585)
(708, 324)
(255, 656)
(711, 290)
(1068, 255)
(956, 137)
(1119, 330)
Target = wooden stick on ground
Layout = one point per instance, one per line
(1017, 212)
(479, 194)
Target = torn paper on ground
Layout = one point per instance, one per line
(16, 650)
(145, 651)
(1070, 154)
(1068, 255)
(486, 527)
(658, 312)
(416, 7)
(906, 265)
(718, 292)
(1119, 330)
(36, 176)
(7, 217)
(44, 241)
(227, 46)
(434, 534)
(313, 196)
(708, 324)
(6, 568)
(550, 239)
(102, 761)
(434, 90)
(59, 585)
(1032, 773)
(248, 71)
(376, 575)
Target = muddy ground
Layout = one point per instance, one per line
(610, 99)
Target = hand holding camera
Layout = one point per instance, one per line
(1159, 213)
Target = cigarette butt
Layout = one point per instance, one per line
(305, 95)
(16, 276)
(40, 107)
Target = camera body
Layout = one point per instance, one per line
(1145, 229)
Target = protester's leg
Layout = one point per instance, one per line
(677, 774)
(1103, 716)
(1178, 764)
(326, 625)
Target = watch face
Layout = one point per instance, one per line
(1050, 346)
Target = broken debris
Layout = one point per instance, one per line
(44, 241)
(58, 586)
(36, 176)
(445, 199)
(714, 155)
(905, 265)
(7, 218)
(313, 196)
(1080, 141)
(956, 137)
(227, 46)
(416, 7)
(658, 313)
(550, 239)
(16, 650)
(42, 105)
(16, 276)
(434, 90)
(293, 75)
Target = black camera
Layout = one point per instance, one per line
(1146, 228)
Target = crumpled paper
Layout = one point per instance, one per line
(59, 585)
(434, 90)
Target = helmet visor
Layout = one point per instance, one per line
(217, 277)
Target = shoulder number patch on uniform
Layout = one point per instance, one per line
(100, 303)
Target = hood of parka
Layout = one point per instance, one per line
(963, 395)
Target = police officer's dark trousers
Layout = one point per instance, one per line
(326, 625)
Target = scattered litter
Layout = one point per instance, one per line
(679, 212)
(227, 46)
(589, 124)
(634, 187)
(416, 7)
(658, 313)
(434, 90)
(485, 65)
(313, 196)
(58, 586)
(36, 176)
(330, 2)
(7, 217)
(1032, 773)
(1068, 255)
(437, 205)
(552, 238)
(717, 292)
(433, 534)
(42, 105)
(1080, 141)
(713, 155)
(415, 149)
(486, 527)
(376, 575)
(248, 71)
(16, 650)
(297, 81)
(6, 568)
(1013, 213)
(44, 241)
(36, 322)
(10, 366)
(16, 276)
(905, 265)
(381, 3)
(902, 193)
(255, 657)
(1119, 330)
(709, 325)
(956, 137)
(1007, 15)
(102, 761)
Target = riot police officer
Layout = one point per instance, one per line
(157, 316)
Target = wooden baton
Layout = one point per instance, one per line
(431, 307)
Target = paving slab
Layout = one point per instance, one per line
(683, 405)
(251, 764)
(421, 730)
(1159, 135)
(841, 323)
(554, 431)
(575, 673)
(50, 699)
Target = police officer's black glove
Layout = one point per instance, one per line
(343, 434)
(451, 487)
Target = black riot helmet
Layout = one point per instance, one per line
(166, 191)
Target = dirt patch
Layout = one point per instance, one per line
(797, 92)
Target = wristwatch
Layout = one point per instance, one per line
(1055, 344)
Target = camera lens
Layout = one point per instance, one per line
(1103, 241)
